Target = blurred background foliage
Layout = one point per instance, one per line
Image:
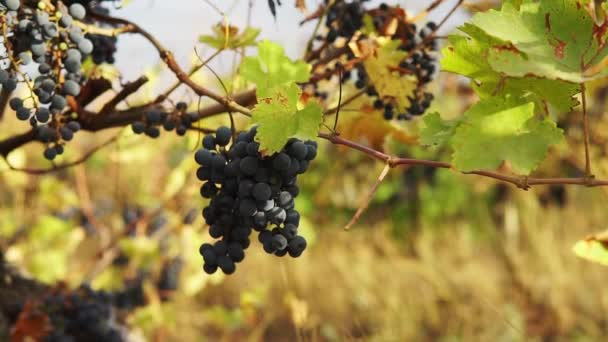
(438, 256)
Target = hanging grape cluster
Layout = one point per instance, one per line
(345, 20)
(49, 38)
(178, 120)
(250, 191)
(79, 315)
(104, 47)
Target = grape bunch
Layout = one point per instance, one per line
(131, 297)
(49, 38)
(80, 315)
(169, 276)
(178, 120)
(104, 47)
(345, 20)
(250, 191)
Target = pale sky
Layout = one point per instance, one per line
(178, 27)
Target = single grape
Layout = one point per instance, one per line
(297, 244)
(298, 150)
(48, 85)
(226, 264)
(38, 49)
(42, 114)
(50, 30)
(265, 205)
(218, 162)
(25, 58)
(66, 133)
(77, 11)
(74, 126)
(50, 153)
(85, 46)
(66, 20)
(261, 192)
(153, 132)
(59, 149)
(279, 242)
(216, 231)
(12, 5)
(44, 68)
(284, 198)
(181, 106)
(235, 251)
(249, 165)
(138, 127)
(247, 207)
(15, 103)
(252, 148)
(73, 54)
(281, 162)
(58, 102)
(203, 157)
(71, 88)
(72, 64)
(208, 190)
(312, 152)
(4, 76)
(209, 142)
(209, 269)
(23, 114)
(169, 125)
(220, 248)
(223, 135)
(277, 215)
(265, 236)
(10, 84)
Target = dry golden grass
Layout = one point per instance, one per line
(524, 285)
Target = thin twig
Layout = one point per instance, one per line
(522, 182)
(84, 196)
(160, 98)
(127, 90)
(339, 99)
(4, 99)
(56, 168)
(369, 197)
(347, 101)
(586, 131)
(169, 59)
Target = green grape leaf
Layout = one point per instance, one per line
(548, 38)
(272, 68)
(469, 56)
(593, 248)
(437, 131)
(502, 129)
(279, 118)
(228, 37)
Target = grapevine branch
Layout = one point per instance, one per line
(239, 103)
(369, 197)
(169, 59)
(126, 91)
(522, 182)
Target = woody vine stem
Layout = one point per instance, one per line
(110, 117)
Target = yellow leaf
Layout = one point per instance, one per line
(593, 248)
(380, 67)
(365, 125)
